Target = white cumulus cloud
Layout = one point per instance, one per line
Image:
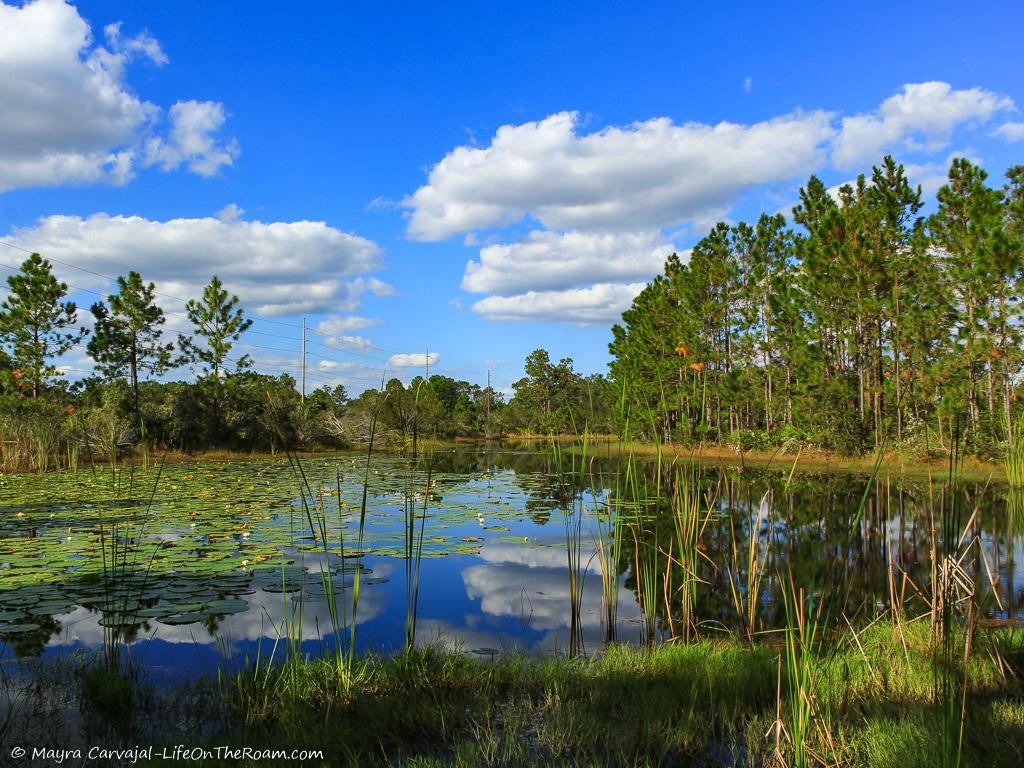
(346, 341)
(406, 360)
(599, 304)
(335, 324)
(276, 268)
(922, 116)
(646, 175)
(604, 206)
(1011, 131)
(192, 140)
(67, 114)
(552, 261)
(335, 331)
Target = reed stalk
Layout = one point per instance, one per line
(414, 557)
(1015, 453)
(690, 519)
(950, 693)
(745, 581)
(608, 540)
(572, 520)
(807, 731)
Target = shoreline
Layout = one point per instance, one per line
(893, 464)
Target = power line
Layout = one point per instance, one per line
(112, 279)
(454, 370)
(177, 298)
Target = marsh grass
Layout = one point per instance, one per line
(710, 702)
(571, 471)
(950, 689)
(608, 543)
(746, 574)
(691, 515)
(414, 553)
(645, 571)
(806, 731)
(124, 576)
(1015, 453)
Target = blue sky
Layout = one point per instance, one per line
(346, 163)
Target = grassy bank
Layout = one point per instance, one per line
(893, 463)
(870, 700)
(712, 702)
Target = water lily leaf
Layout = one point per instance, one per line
(181, 619)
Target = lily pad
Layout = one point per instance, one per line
(18, 629)
(181, 619)
(225, 607)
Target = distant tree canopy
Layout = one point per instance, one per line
(228, 405)
(869, 323)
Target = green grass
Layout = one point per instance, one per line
(1015, 454)
(708, 703)
(713, 701)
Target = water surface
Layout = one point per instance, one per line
(205, 564)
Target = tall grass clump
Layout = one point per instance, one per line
(361, 531)
(608, 542)
(414, 556)
(645, 570)
(746, 573)
(315, 508)
(125, 578)
(803, 733)
(950, 592)
(570, 502)
(38, 437)
(690, 518)
(1015, 453)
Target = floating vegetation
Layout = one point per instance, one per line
(213, 534)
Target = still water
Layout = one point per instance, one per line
(202, 565)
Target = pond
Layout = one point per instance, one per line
(196, 566)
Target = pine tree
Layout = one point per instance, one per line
(35, 323)
(966, 232)
(219, 323)
(126, 337)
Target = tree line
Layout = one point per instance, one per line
(122, 403)
(868, 323)
(862, 324)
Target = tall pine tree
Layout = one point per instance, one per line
(35, 324)
(126, 337)
(219, 323)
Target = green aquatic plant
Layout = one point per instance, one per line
(645, 571)
(608, 542)
(805, 729)
(569, 476)
(1015, 453)
(746, 575)
(361, 535)
(950, 690)
(691, 515)
(414, 555)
